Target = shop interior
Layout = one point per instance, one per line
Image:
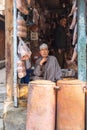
(41, 24)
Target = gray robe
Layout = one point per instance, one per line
(50, 70)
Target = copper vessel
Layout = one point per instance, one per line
(41, 105)
(70, 105)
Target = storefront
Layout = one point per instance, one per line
(40, 28)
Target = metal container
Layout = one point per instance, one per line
(41, 105)
(70, 105)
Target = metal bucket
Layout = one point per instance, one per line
(41, 105)
(71, 105)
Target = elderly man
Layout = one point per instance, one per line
(47, 67)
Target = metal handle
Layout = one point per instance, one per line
(85, 88)
(57, 87)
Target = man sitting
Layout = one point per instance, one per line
(47, 67)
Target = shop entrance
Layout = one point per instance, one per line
(53, 23)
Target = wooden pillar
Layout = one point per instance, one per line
(8, 47)
(81, 40)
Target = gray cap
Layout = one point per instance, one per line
(43, 46)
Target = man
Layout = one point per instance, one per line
(47, 66)
(60, 43)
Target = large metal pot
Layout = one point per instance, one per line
(41, 105)
(70, 105)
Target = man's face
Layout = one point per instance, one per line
(44, 52)
(63, 22)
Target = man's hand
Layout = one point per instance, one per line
(43, 61)
(69, 62)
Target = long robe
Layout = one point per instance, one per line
(50, 70)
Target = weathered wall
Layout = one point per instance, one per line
(2, 38)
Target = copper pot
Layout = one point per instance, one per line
(41, 105)
(70, 105)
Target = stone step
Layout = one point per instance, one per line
(2, 89)
(1, 109)
(1, 124)
(2, 93)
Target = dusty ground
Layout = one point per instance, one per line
(14, 118)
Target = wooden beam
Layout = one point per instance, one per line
(8, 47)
